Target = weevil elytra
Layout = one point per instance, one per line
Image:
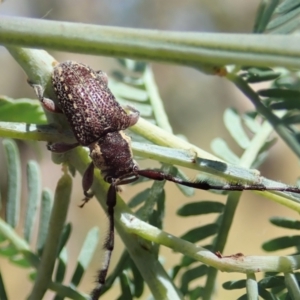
(97, 121)
(86, 101)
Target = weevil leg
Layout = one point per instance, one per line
(46, 102)
(87, 181)
(108, 244)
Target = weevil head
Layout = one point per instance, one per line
(113, 156)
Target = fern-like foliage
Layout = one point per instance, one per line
(255, 145)
(278, 17)
(276, 108)
(20, 249)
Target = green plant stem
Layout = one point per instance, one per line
(220, 242)
(155, 276)
(200, 50)
(231, 263)
(292, 285)
(34, 192)
(126, 223)
(33, 132)
(161, 137)
(185, 158)
(38, 62)
(56, 224)
(7, 231)
(233, 198)
(282, 130)
(252, 287)
(14, 182)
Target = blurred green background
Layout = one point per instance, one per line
(194, 103)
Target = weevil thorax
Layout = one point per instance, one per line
(87, 102)
(113, 156)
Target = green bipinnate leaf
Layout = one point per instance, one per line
(220, 148)
(197, 234)
(66, 291)
(279, 93)
(271, 281)
(201, 207)
(190, 275)
(264, 15)
(285, 222)
(9, 250)
(21, 110)
(53, 241)
(34, 191)
(282, 243)
(139, 198)
(125, 287)
(65, 235)
(86, 254)
(287, 6)
(137, 281)
(61, 266)
(285, 104)
(3, 295)
(285, 23)
(233, 285)
(14, 182)
(195, 293)
(233, 123)
(20, 261)
(255, 75)
(45, 211)
(266, 295)
(32, 258)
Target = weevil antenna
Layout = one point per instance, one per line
(204, 185)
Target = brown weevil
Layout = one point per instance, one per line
(97, 121)
(88, 104)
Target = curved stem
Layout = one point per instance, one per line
(203, 51)
(56, 224)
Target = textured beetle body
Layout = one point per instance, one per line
(113, 156)
(88, 103)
